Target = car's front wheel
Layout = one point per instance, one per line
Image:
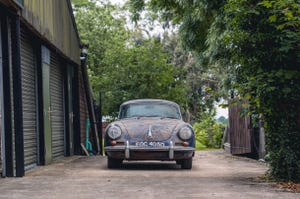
(113, 163)
(187, 163)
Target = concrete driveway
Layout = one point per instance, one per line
(214, 175)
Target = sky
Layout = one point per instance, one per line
(221, 112)
(117, 1)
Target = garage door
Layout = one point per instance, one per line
(28, 64)
(57, 108)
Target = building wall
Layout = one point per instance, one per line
(48, 24)
(53, 21)
(7, 151)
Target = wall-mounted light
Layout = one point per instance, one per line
(84, 51)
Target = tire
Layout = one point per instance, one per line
(187, 163)
(113, 163)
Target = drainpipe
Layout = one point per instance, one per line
(100, 123)
(88, 94)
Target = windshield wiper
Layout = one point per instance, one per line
(133, 116)
(169, 117)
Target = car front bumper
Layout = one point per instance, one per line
(130, 152)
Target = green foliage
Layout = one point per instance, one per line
(266, 36)
(256, 44)
(202, 86)
(208, 132)
(122, 64)
(194, 19)
(200, 146)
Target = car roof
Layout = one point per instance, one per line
(139, 101)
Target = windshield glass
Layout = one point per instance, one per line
(150, 110)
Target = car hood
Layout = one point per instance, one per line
(150, 129)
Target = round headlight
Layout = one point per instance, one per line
(114, 132)
(185, 133)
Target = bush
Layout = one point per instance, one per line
(200, 146)
(208, 133)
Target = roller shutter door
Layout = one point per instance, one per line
(57, 108)
(29, 100)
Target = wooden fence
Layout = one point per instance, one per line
(239, 131)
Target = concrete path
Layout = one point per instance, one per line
(214, 175)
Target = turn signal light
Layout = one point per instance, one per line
(113, 143)
(185, 144)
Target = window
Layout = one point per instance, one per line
(150, 110)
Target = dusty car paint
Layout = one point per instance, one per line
(149, 138)
(162, 129)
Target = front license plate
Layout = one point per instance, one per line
(150, 144)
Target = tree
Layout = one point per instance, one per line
(264, 37)
(194, 20)
(203, 84)
(124, 65)
(256, 44)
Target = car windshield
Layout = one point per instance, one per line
(149, 110)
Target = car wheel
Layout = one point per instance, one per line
(187, 163)
(113, 163)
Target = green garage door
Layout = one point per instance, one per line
(57, 108)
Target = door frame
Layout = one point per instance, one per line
(69, 109)
(2, 144)
(6, 68)
(46, 143)
(76, 109)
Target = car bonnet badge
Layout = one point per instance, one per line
(149, 134)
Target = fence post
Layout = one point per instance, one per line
(262, 142)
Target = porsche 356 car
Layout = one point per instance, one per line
(149, 129)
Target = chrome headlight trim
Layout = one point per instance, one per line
(185, 133)
(114, 132)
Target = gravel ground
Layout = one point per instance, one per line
(215, 174)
